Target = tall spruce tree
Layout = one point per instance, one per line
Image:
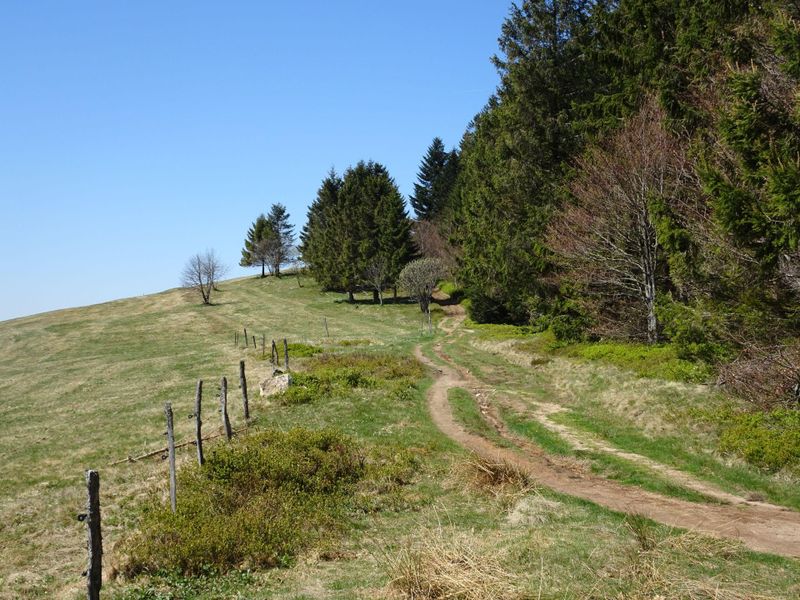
(254, 253)
(435, 180)
(318, 238)
(281, 237)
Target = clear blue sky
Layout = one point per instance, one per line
(133, 134)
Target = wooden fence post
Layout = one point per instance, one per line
(274, 356)
(236, 338)
(243, 385)
(325, 320)
(223, 396)
(263, 346)
(171, 454)
(94, 545)
(198, 423)
(254, 343)
(245, 337)
(286, 354)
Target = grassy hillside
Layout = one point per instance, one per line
(83, 388)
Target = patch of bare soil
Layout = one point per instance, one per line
(761, 527)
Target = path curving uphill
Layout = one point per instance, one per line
(760, 526)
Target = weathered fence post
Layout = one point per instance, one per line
(286, 354)
(171, 454)
(243, 385)
(263, 346)
(223, 397)
(274, 356)
(94, 544)
(236, 338)
(245, 337)
(198, 423)
(254, 343)
(325, 320)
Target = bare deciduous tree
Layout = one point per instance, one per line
(419, 278)
(431, 242)
(607, 240)
(202, 272)
(376, 274)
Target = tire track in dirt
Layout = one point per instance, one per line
(761, 527)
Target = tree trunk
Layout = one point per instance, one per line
(394, 294)
(262, 269)
(350, 297)
(375, 296)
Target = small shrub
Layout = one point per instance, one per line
(256, 502)
(767, 377)
(769, 440)
(697, 332)
(300, 350)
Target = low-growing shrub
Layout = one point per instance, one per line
(661, 362)
(328, 374)
(256, 502)
(769, 440)
(300, 350)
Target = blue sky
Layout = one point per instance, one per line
(133, 134)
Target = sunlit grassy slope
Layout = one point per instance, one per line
(86, 387)
(83, 387)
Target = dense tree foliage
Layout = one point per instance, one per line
(435, 181)
(269, 241)
(356, 223)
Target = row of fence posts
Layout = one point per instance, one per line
(91, 517)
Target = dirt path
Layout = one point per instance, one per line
(761, 527)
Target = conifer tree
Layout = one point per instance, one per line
(435, 180)
(254, 253)
(280, 239)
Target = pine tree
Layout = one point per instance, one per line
(517, 151)
(318, 238)
(254, 251)
(281, 238)
(355, 221)
(435, 180)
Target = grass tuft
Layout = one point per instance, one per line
(442, 566)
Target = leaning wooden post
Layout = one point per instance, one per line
(274, 358)
(171, 454)
(254, 343)
(198, 423)
(223, 396)
(325, 320)
(243, 385)
(286, 354)
(245, 337)
(94, 573)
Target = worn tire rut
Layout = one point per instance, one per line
(759, 526)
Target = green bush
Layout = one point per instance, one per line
(768, 440)
(256, 502)
(658, 362)
(697, 332)
(300, 350)
(328, 374)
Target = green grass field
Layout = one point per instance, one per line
(83, 388)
